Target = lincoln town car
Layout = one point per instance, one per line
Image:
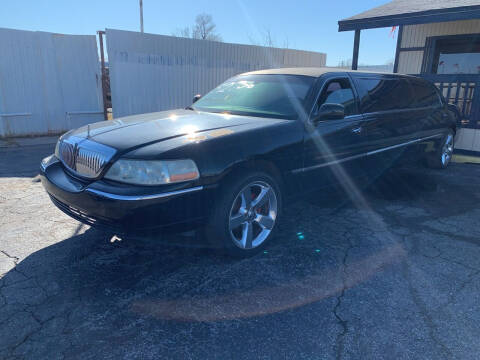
(229, 163)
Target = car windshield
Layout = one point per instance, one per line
(275, 96)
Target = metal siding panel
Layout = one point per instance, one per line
(44, 76)
(415, 35)
(182, 68)
(21, 80)
(410, 62)
(78, 72)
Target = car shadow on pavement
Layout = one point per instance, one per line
(397, 184)
(88, 296)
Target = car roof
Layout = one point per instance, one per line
(309, 71)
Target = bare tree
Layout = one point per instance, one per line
(184, 32)
(267, 39)
(204, 28)
(345, 64)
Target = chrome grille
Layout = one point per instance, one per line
(84, 157)
(67, 154)
(90, 163)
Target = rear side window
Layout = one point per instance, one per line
(425, 94)
(384, 94)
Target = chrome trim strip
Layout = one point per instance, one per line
(364, 154)
(394, 111)
(142, 197)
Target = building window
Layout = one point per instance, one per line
(457, 55)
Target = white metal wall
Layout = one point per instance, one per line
(49, 83)
(155, 72)
(414, 36)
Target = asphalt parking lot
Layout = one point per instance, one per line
(393, 274)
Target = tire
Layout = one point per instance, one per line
(246, 214)
(442, 156)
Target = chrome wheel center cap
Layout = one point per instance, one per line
(251, 215)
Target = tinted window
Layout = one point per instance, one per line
(425, 94)
(384, 94)
(338, 91)
(277, 96)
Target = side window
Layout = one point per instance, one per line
(384, 94)
(425, 94)
(338, 91)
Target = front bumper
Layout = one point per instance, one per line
(123, 208)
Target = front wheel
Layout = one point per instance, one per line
(246, 214)
(442, 156)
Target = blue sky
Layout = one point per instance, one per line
(307, 25)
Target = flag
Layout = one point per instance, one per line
(392, 32)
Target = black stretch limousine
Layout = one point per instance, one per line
(232, 159)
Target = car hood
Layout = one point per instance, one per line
(140, 130)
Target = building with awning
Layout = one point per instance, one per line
(440, 41)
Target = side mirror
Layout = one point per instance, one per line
(330, 112)
(196, 97)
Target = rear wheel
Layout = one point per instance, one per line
(246, 214)
(442, 156)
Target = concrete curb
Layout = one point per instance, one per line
(458, 158)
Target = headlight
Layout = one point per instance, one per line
(155, 172)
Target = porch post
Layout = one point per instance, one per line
(399, 46)
(356, 46)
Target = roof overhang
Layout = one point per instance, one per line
(421, 17)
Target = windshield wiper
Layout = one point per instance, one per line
(189, 108)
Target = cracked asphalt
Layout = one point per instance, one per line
(393, 274)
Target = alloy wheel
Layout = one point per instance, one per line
(253, 214)
(447, 150)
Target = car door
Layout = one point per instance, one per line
(389, 122)
(427, 109)
(333, 148)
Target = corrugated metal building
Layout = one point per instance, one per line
(49, 83)
(439, 40)
(151, 72)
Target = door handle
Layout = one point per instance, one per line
(357, 130)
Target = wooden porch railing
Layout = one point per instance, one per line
(462, 90)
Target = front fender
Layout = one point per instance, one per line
(279, 143)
